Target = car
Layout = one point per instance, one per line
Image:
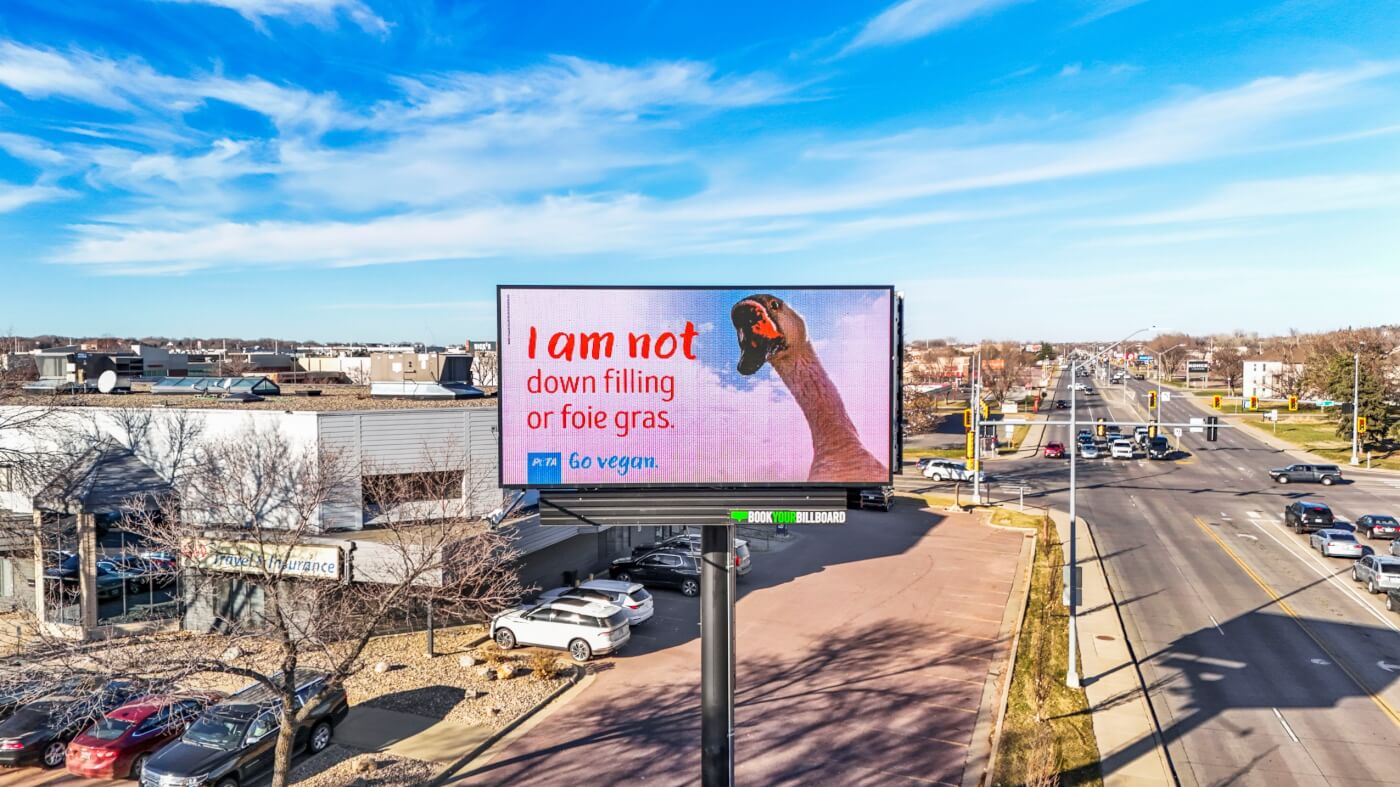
(1326, 475)
(582, 627)
(1378, 526)
(1114, 431)
(1140, 435)
(1379, 572)
(1139, 376)
(877, 497)
(951, 470)
(1061, 404)
(1054, 451)
(1085, 436)
(1077, 386)
(233, 741)
(1088, 451)
(1088, 389)
(121, 742)
(630, 596)
(1304, 515)
(1159, 448)
(1336, 543)
(690, 542)
(1120, 449)
(39, 731)
(662, 568)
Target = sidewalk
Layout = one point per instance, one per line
(408, 734)
(1113, 686)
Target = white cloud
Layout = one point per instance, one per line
(911, 19)
(1103, 8)
(1280, 197)
(16, 197)
(41, 73)
(1071, 69)
(319, 12)
(29, 149)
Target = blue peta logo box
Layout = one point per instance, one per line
(543, 469)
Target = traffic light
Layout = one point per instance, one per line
(967, 419)
(1215, 401)
(1212, 431)
(1152, 400)
(971, 445)
(1292, 404)
(986, 411)
(1099, 429)
(1361, 424)
(972, 465)
(1254, 403)
(1151, 431)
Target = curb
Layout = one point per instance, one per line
(462, 762)
(987, 742)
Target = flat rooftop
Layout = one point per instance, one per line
(332, 398)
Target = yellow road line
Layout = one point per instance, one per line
(1283, 605)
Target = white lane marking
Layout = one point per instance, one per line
(1387, 666)
(1333, 578)
(1253, 514)
(1217, 624)
(1242, 468)
(1248, 536)
(1286, 728)
(1321, 662)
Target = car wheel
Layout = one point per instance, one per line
(690, 587)
(1389, 603)
(54, 754)
(320, 737)
(229, 782)
(1355, 577)
(580, 651)
(624, 576)
(505, 639)
(1327, 480)
(1371, 587)
(1283, 479)
(138, 765)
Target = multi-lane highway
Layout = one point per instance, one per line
(1264, 662)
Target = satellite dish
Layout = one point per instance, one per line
(107, 382)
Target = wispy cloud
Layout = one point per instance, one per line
(1105, 8)
(1279, 197)
(16, 197)
(319, 12)
(912, 19)
(428, 306)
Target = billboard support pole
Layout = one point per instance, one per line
(717, 656)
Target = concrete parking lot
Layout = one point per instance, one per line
(863, 655)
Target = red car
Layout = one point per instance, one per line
(1055, 450)
(119, 745)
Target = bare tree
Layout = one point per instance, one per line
(1004, 365)
(1228, 366)
(486, 365)
(254, 503)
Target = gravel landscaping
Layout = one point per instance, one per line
(441, 687)
(340, 766)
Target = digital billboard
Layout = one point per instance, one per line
(696, 386)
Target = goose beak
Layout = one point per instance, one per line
(759, 336)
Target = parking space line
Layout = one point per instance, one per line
(1288, 610)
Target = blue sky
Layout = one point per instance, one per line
(366, 170)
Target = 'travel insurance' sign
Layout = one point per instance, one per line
(246, 557)
(696, 386)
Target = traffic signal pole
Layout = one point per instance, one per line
(1355, 408)
(717, 656)
(1072, 670)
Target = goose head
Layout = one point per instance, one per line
(767, 328)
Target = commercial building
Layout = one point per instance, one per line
(133, 445)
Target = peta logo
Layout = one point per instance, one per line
(543, 468)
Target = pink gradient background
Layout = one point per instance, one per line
(727, 429)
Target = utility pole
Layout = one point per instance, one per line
(976, 405)
(1072, 671)
(1355, 406)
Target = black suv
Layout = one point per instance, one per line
(1305, 517)
(234, 741)
(1323, 474)
(39, 732)
(1158, 448)
(664, 568)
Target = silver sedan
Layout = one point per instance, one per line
(1336, 543)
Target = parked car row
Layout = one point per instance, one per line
(124, 729)
(115, 574)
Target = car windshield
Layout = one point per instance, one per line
(1383, 520)
(1342, 537)
(36, 715)
(618, 618)
(217, 732)
(640, 595)
(109, 729)
(1390, 568)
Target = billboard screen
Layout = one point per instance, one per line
(696, 386)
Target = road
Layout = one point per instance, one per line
(1265, 664)
(863, 651)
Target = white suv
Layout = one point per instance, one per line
(1121, 449)
(582, 627)
(950, 470)
(630, 596)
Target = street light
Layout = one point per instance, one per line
(1072, 671)
(1355, 404)
(1161, 364)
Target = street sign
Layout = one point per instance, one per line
(1272, 415)
(1166, 396)
(1197, 367)
(1176, 431)
(1144, 359)
(1326, 403)
(1198, 429)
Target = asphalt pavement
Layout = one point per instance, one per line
(1265, 663)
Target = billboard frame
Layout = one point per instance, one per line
(895, 349)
